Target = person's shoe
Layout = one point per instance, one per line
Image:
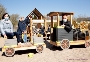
(19, 44)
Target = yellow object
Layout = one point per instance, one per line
(6, 46)
(23, 35)
(30, 55)
(39, 35)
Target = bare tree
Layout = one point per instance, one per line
(2, 10)
(81, 18)
(14, 19)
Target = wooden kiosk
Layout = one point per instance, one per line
(59, 37)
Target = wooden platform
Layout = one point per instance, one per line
(79, 42)
(24, 47)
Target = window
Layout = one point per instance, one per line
(34, 16)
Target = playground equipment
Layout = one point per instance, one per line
(35, 43)
(59, 37)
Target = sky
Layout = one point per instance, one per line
(24, 7)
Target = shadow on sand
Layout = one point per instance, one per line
(0, 49)
(53, 48)
(26, 52)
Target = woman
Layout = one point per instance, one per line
(7, 28)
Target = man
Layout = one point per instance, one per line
(21, 26)
(65, 23)
(49, 28)
(42, 29)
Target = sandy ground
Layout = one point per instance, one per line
(55, 54)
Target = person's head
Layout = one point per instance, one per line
(33, 26)
(48, 25)
(21, 18)
(64, 16)
(5, 16)
(29, 17)
(42, 25)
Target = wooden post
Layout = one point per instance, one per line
(45, 24)
(58, 19)
(31, 30)
(71, 19)
(51, 27)
(52, 22)
(41, 17)
(45, 28)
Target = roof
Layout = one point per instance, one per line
(60, 13)
(37, 13)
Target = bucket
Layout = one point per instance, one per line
(30, 55)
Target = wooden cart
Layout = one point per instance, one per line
(63, 38)
(35, 43)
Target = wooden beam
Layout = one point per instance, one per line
(31, 30)
(52, 22)
(51, 32)
(45, 24)
(71, 19)
(53, 14)
(58, 19)
(41, 17)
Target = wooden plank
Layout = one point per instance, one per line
(79, 42)
(25, 48)
(58, 19)
(21, 48)
(45, 24)
(39, 44)
(41, 17)
(31, 30)
(60, 13)
(52, 22)
(48, 33)
(71, 19)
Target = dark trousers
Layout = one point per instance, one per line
(10, 36)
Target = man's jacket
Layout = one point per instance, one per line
(68, 26)
(21, 27)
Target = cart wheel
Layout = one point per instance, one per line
(9, 52)
(87, 44)
(65, 44)
(39, 48)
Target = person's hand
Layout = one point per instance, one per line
(22, 32)
(29, 17)
(63, 25)
(5, 36)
